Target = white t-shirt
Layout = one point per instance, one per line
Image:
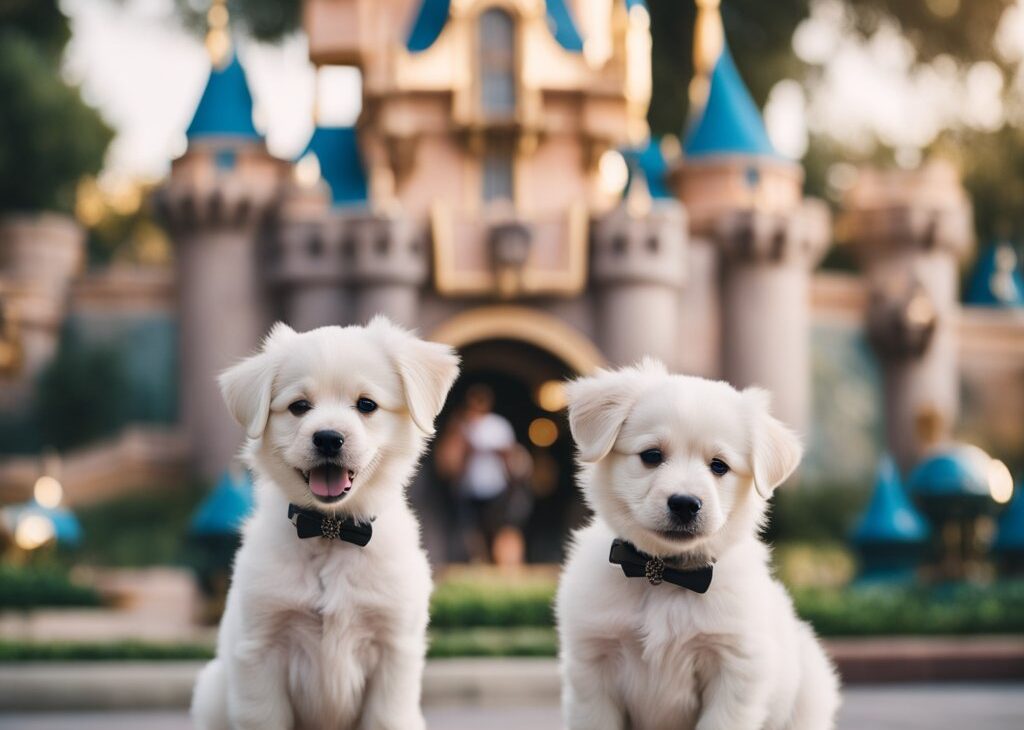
(488, 436)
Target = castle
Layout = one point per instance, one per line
(501, 192)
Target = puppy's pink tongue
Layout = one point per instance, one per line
(329, 481)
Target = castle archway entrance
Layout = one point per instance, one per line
(514, 362)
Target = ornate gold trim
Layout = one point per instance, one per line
(527, 325)
(566, 282)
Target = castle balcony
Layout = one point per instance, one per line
(509, 254)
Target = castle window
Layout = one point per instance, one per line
(497, 164)
(497, 55)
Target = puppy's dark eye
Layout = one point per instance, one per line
(718, 467)
(365, 405)
(299, 407)
(652, 457)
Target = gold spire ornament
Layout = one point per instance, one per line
(708, 43)
(218, 39)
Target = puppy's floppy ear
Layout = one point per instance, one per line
(599, 404)
(776, 450)
(427, 369)
(247, 386)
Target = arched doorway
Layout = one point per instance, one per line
(521, 356)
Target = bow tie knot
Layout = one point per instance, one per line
(310, 523)
(636, 564)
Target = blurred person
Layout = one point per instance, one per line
(479, 453)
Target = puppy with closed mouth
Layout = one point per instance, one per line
(668, 615)
(325, 622)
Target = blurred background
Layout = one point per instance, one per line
(824, 198)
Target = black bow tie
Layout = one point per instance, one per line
(636, 564)
(310, 523)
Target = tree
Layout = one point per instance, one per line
(49, 137)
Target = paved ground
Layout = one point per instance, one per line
(892, 707)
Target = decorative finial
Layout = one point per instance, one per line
(218, 40)
(708, 42)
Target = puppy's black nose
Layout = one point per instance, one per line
(684, 507)
(328, 443)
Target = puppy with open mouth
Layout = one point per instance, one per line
(668, 615)
(325, 623)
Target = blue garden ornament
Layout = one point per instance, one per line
(953, 482)
(67, 531)
(225, 508)
(892, 536)
(997, 279)
(1008, 547)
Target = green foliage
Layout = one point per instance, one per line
(144, 528)
(881, 610)
(49, 137)
(817, 514)
(40, 20)
(457, 604)
(24, 587)
(488, 642)
(266, 20)
(79, 394)
(64, 651)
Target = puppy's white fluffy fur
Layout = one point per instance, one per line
(322, 633)
(645, 657)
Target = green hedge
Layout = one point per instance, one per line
(64, 651)
(964, 609)
(464, 603)
(36, 587)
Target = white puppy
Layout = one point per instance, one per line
(677, 469)
(320, 632)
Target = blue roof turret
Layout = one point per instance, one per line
(225, 508)
(433, 16)
(563, 26)
(997, 280)
(341, 164)
(225, 108)
(729, 123)
(649, 161)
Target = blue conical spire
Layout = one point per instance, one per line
(997, 280)
(225, 108)
(341, 165)
(890, 517)
(729, 123)
(647, 160)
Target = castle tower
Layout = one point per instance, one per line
(481, 130)
(910, 230)
(215, 201)
(638, 266)
(745, 202)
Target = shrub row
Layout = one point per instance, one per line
(31, 587)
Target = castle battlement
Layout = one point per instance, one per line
(647, 249)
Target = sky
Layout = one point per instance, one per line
(145, 73)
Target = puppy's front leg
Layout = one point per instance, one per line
(587, 700)
(393, 693)
(257, 693)
(735, 696)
